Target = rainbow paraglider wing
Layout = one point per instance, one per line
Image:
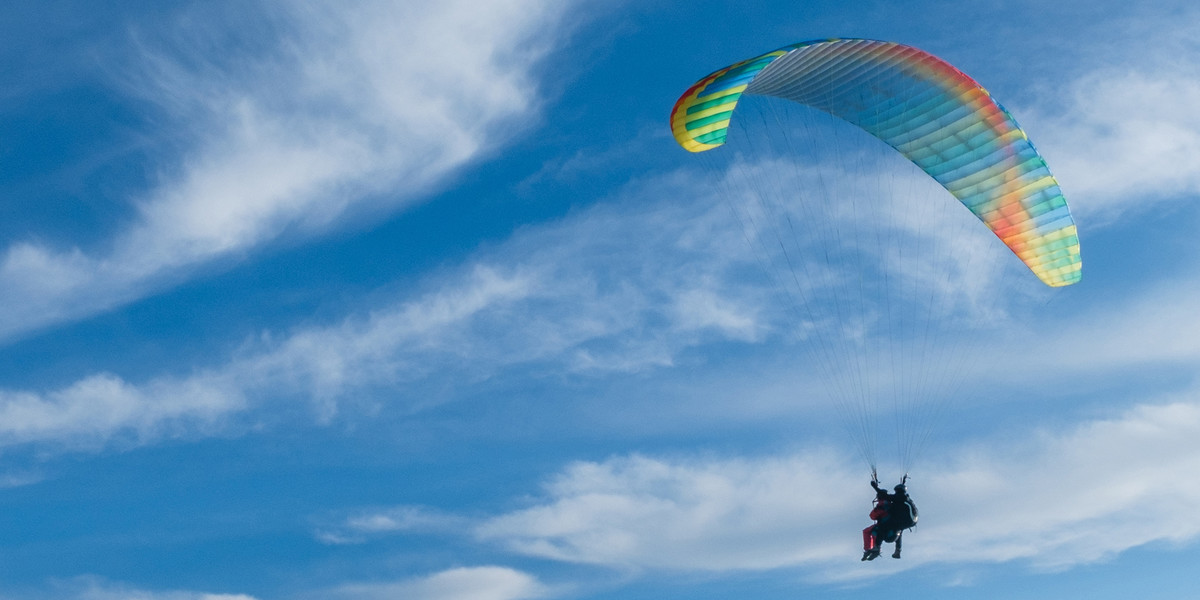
(929, 111)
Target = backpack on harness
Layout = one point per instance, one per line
(902, 515)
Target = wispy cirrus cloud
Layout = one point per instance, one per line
(475, 583)
(96, 588)
(319, 365)
(569, 296)
(624, 286)
(322, 112)
(366, 524)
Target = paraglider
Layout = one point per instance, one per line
(868, 302)
(893, 514)
(878, 512)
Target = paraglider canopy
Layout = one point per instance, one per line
(929, 111)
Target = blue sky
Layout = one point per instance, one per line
(389, 300)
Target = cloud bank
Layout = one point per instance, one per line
(1052, 499)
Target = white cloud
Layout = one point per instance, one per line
(99, 407)
(355, 109)
(1076, 496)
(466, 583)
(642, 512)
(1124, 139)
(365, 524)
(1050, 498)
(94, 588)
